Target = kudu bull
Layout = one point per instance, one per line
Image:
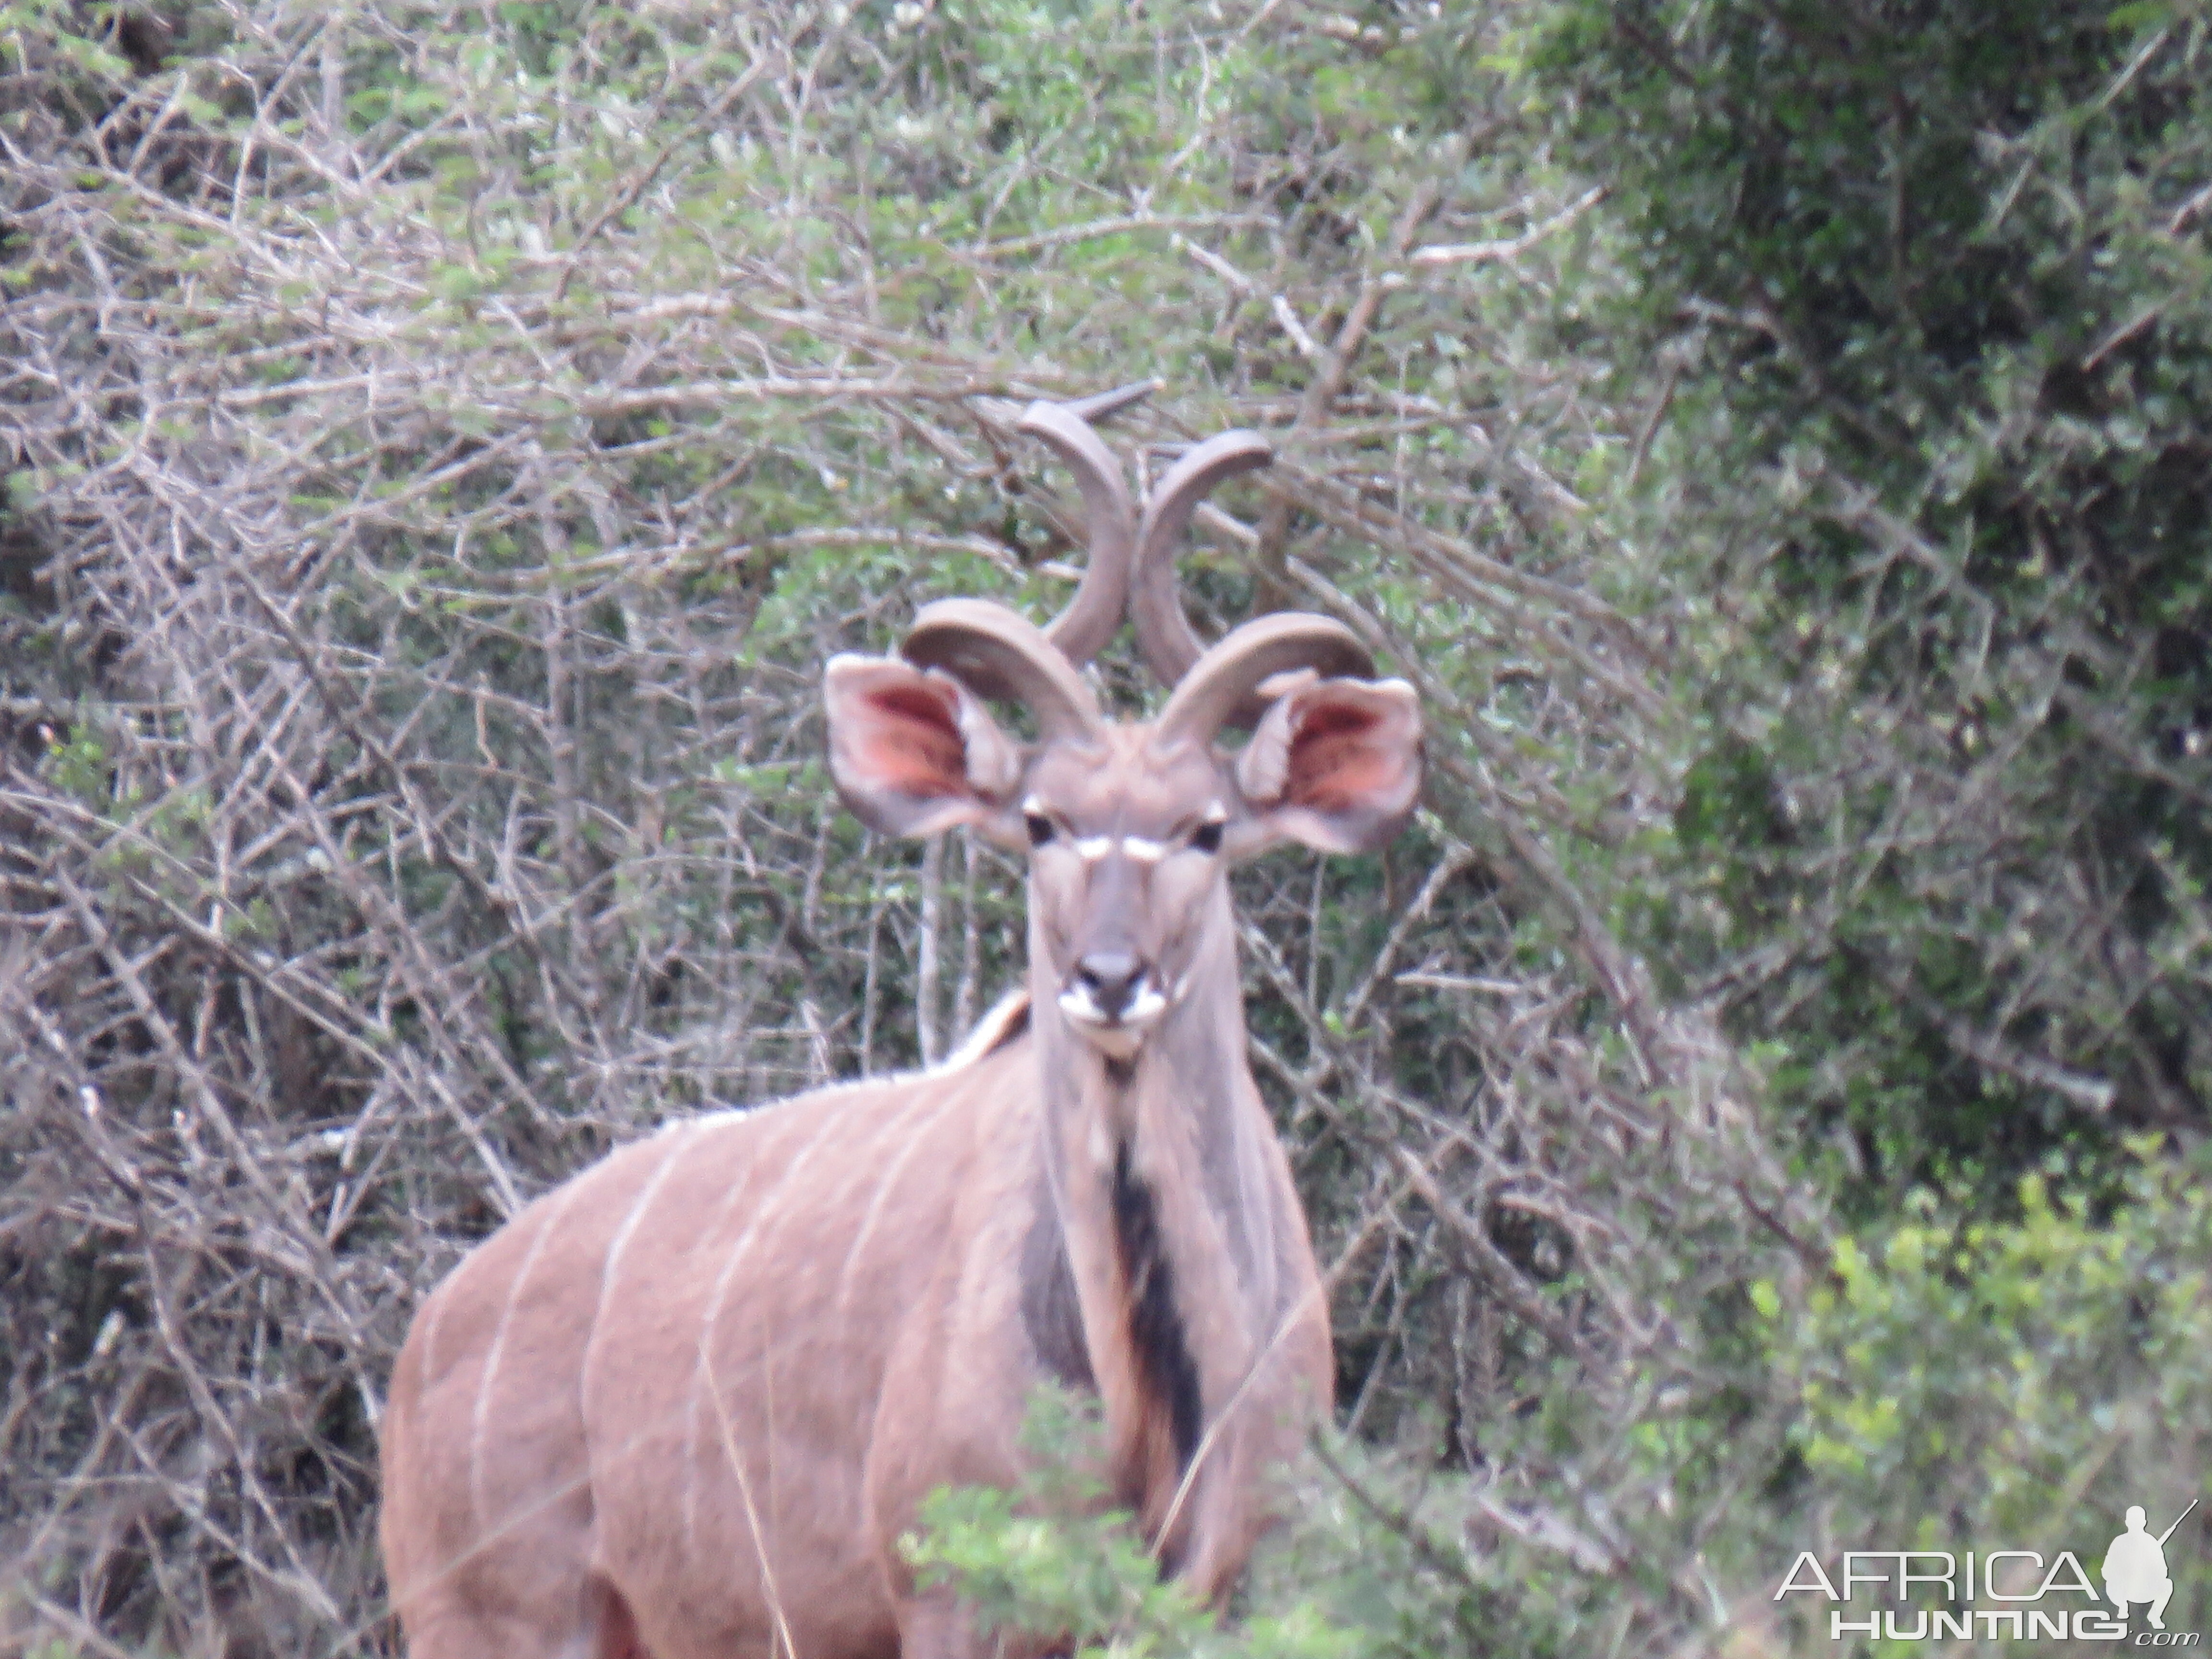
(684, 1406)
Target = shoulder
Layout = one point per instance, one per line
(994, 1045)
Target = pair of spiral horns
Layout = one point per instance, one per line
(998, 652)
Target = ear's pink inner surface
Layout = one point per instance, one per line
(912, 743)
(689, 1403)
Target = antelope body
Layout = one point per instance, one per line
(684, 1406)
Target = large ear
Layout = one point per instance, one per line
(1333, 763)
(912, 750)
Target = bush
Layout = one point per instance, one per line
(445, 441)
(1929, 290)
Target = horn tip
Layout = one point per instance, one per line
(1099, 406)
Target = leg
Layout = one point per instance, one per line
(452, 1632)
(613, 1631)
(2157, 1608)
(934, 1627)
(454, 1624)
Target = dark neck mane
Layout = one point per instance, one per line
(1163, 1160)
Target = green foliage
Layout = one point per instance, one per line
(1366, 1565)
(2008, 1385)
(70, 32)
(1802, 553)
(1936, 287)
(1047, 1559)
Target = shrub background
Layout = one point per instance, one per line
(1760, 1107)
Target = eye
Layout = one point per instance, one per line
(1039, 826)
(1207, 838)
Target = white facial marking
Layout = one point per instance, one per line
(1092, 848)
(1144, 849)
(1119, 1038)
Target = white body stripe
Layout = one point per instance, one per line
(703, 1373)
(677, 1142)
(481, 1414)
(888, 1180)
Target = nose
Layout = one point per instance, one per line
(1113, 978)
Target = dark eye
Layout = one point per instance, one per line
(1207, 838)
(1040, 828)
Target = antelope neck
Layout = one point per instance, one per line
(1154, 1258)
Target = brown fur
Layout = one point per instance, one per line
(684, 1406)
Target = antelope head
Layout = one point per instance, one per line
(1130, 828)
(1118, 1215)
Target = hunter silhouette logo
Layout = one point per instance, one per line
(2134, 1567)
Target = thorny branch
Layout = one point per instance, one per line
(409, 771)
